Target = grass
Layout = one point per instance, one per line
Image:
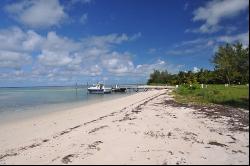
(233, 95)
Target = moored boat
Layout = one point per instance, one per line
(99, 89)
(118, 89)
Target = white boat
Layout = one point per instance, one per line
(99, 89)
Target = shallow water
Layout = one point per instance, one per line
(21, 102)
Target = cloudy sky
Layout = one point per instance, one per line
(59, 42)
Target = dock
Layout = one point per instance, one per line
(146, 88)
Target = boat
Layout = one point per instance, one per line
(99, 89)
(118, 89)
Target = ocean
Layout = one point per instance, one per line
(18, 103)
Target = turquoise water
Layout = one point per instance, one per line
(38, 100)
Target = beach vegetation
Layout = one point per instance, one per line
(231, 66)
(226, 84)
(234, 96)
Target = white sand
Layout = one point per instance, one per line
(123, 131)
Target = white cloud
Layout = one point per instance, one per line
(196, 70)
(61, 54)
(60, 58)
(146, 69)
(243, 38)
(92, 56)
(191, 42)
(15, 60)
(84, 18)
(181, 52)
(32, 41)
(118, 63)
(107, 40)
(94, 52)
(122, 65)
(215, 11)
(54, 59)
(191, 46)
(11, 39)
(81, 1)
(205, 29)
(95, 70)
(205, 44)
(55, 50)
(87, 57)
(53, 42)
(14, 39)
(135, 36)
(37, 13)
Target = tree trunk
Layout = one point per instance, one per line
(228, 79)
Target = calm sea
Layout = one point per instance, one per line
(33, 101)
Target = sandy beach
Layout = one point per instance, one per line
(144, 128)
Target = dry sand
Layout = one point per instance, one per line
(145, 128)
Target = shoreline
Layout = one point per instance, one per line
(144, 128)
(40, 110)
(60, 120)
(15, 109)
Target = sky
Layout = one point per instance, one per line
(61, 42)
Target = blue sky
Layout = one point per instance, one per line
(59, 42)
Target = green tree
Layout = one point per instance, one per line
(159, 77)
(182, 79)
(231, 65)
(224, 62)
(242, 62)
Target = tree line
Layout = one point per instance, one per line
(231, 66)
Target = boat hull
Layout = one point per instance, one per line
(95, 91)
(119, 90)
(108, 90)
(99, 91)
